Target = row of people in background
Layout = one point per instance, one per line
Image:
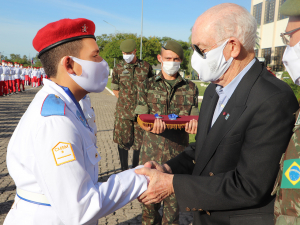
(14, 77)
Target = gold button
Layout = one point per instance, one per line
(94, 121)
(194, 209)
(200, 210)
(208, 213)
(187, 209)
(194, 162)
(211, 174)
(95, 134)
(96, 155)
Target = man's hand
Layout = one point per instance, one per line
(158, 127)
(191, 127)
(162, 168)
(160, 186)
(116, 93)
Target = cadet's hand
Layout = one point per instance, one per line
(191, 127)
(160, 186)
(158, 127)
(162, 168)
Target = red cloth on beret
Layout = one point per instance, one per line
(148, 120)
(62, 31)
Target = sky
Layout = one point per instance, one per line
(20, 20)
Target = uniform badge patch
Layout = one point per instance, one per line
(291, 174)
(63, 153)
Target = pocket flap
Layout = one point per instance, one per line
(93, 154)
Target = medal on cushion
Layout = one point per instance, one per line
(172, 116)
(157, 116)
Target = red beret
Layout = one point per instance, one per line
(61, 32)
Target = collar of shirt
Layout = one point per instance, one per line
(70, 94)
(226, 92)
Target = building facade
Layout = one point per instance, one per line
(270, 25)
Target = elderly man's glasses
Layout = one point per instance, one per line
(202, 52)
(287, 35)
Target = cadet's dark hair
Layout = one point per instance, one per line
(51, 58)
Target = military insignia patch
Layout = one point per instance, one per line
(63, 153)
(291, 174)
(84, 28)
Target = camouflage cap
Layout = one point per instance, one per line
(128, 45)
(174, 46)
(290, 8)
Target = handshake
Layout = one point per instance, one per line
(160, 185)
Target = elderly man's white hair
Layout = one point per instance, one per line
(231, 20)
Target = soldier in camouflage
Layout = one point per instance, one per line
(287, 185)
(164, 94)
(126, 76)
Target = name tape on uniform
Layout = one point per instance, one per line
(63, 153)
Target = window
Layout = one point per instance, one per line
(281, 17)
(256, 52)
(266, 53)
(269, 11)
(278, 65)
(257, 12)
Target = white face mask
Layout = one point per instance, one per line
(128, 58)
(291, 61)
(213, 65)
(94, 75)
(171, 68)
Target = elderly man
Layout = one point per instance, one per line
(287, 183)
(244, 126)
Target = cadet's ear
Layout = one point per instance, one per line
(159, 58)
(68, 64)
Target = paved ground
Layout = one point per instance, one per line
(12, 108)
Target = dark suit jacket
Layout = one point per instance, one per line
(231, 169)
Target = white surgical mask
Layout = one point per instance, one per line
(291, 61)
(94, 75)
(213, 65)
(171, 68)
(128, 58)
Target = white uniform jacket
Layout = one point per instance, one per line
(11, 73)
(55, 155)
(18, 72)
(22, 76)
(1, 74)
(89, 113)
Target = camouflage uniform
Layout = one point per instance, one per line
(125, 79)
(155, 95)
(287, 202)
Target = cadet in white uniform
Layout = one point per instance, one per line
(1, 80)
(22, 77)
(52, 156)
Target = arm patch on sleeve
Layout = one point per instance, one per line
(63, 153)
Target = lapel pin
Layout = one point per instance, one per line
(227, 116)
(224, 113)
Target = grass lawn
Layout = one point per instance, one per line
(108, 83)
